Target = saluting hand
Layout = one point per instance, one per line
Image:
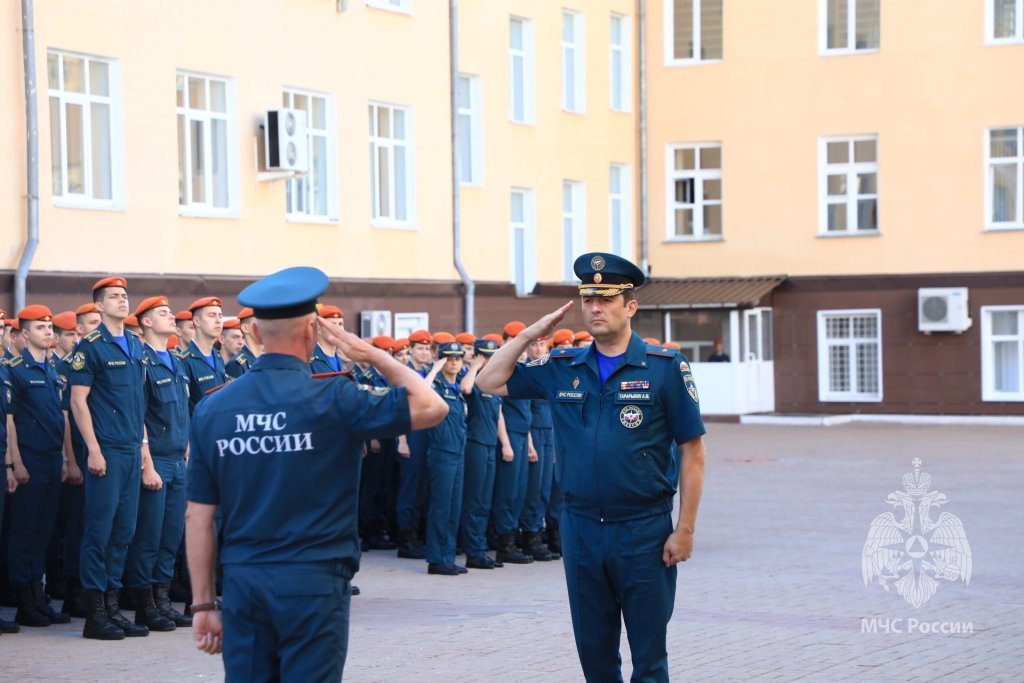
(207, 631)
(349, 346)
(546, 325)
(678, 547)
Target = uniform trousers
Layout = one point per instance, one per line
(614, 574)
(73, 505)
(160, 525)
(510, 485)
(33, 511)
(412, 483)
(477, 492)
(538, 480)
(375, 481)
(111, 509)
(446, 474)
(285, 622)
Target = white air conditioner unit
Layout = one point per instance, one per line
(284, 140)
(942, 309)
(374, 323)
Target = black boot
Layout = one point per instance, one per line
(28, 613)
(535, 548)
(161, 596)
(508, 552)
(43, 605)
(407, 547)
(377, 537)
(97, 623)
(554, 538)
(73, 602)
(111, 600)
(146, 612)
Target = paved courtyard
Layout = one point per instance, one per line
(773, 592)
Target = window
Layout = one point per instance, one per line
(850, 355)
(620, 210)
(524, 241)
(619, 64)
(520, 70)
(572, 62)
(1004, 21)
(391, 165)
(1002, 353)
(207, 145)
(84, 113)
(694, 192)
(469, 130)
(1004, 185)
(693, 31)
(849, 26)
(404, 6)
(573, 226)
(849, 186)
(315, 195)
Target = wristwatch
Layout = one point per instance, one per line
(10, 465)
(205, 606)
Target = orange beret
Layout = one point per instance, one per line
(205, 301)
(495, 338)
(443, 338)
(328, 311)
(652, 340)
(400, 344)
(466, 338)
(514, 328)
(419, 337)
(110, 282)
(672, 345)
(86, 308)
(65, 320)
(232, 324)
(383, 341)
(583, 335)
(13, 324)
(35, 312)
(245, 313)
(132, 321)
(562, 336)
(172, 342)
(151, 303)
(181, 316)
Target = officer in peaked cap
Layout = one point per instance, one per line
(205, 366)
(618, 406)
(290, 552)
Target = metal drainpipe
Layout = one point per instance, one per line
(645, 263)
(32, 153)
(453, 51)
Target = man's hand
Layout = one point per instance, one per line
(678, 547)
(97, 463)
(374, 446)
(12, 483)
(208, 631)
(348, 345)
(478, 361)
(507, 454)
(531, 454)
(439, 364)
(403, 447)
(546, 325)
(75, 477)
(20, 473)
(151, 481)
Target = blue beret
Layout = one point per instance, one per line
(487, 347)
(450, 350)
(603, 274)
(288, 293)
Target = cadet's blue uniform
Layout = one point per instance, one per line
(510, 478)
(320, 362)
(73, 497)
(445, 463)
(478, 486)
(376, 471)
(5, 403)
(539, 474)
(203, 374)
(117, 405)
(161, 520)
(240, 364)
(39, 424)
(613, 464)
(289, 552)
(412, 480)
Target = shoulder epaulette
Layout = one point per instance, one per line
(15, 362)
(570, 352)
(324, 375)
(93, 336)
(215, 389)
(663, 351)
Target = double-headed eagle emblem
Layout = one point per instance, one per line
(915, 552)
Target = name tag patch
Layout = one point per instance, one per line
(570, 395)
(116, 363)
(633, 397)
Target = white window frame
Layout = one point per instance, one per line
(620, 207)
(851, 169)
(823, 344)
(851, 32)
(407, 323)
(1018, 222)
(990, 28)
(85, 99)
(391, 221)
(574, 59)
(623, 50)
(699, 175)
(476, 137)
(574, 234)
(669, 36)
(988, 390)
(528, 226)
(398, 6)
(329, 133)
(206, 209)
(526, 54)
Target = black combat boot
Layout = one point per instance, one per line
(28, 613)
(535, 548)
(162, 598)
(554, 538)
(43, 605)
(508, 552)
(97, 623)
(146, 612)
(111, 600)
(377, 537)
(73, 602)
(407, 547)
